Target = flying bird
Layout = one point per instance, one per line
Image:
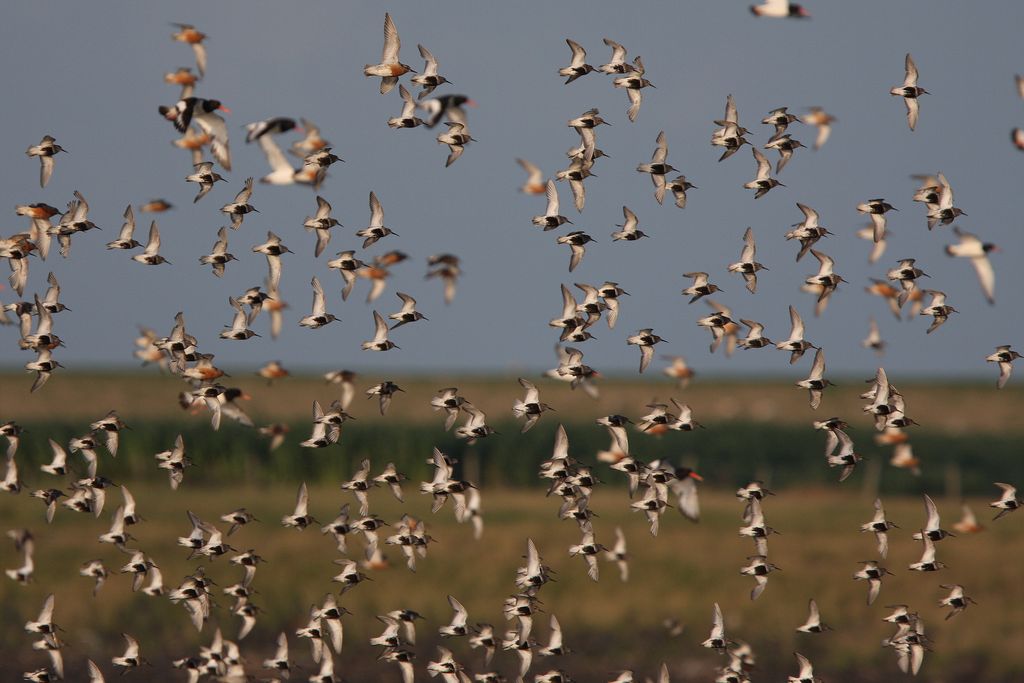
(679, 185)
(645, 339)
(823, 121)
(319, 315)
(456, 138)
(429, 79)
(701, 287)
(150, 255)
(634, 83)
(814, 624)
(630, 232)
(189, 35)
(380, 341)
(376, 229)
(45, 150)
(910, 91)
(971, 247)
(816, 382)
(551, 218)
(408, 118)
(763, 182)
(219, 256)
(659, 167)
(747, 266)
(241, 206)
(785, 145)
(273, 249)
(202, 112)
(576, 241)
(617, 63)
(780, 9)
(1004, 356)
(389, 68)
(1008, 502)
(205, 176)
(530, 406)
(578, 66)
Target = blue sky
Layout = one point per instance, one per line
(92, 77)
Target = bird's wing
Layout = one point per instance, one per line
(730, 110)
(932, 512)
(128, 228)
(319, 304)
(913, 109)
(552, 196)
(749, 247)
(717, 620)
(275, 157)
(618, 51)
(532, 395)
(243, 196)
(635, 99)
(153, 245)
(797, 323)
(376, 212)
(579, 55)
(535, 174)
(380, 328)
(392, 43)
(911, 78)
(764, 167)
(806, 669)
(460, 617)
(577, 255)
(302, 501)
(661, 151)
(46, 614)
(95, 675)
(986, 277)
(818, 367)
(431, 67)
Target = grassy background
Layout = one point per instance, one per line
(762, 431)
(608, 624)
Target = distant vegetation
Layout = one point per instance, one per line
(727, 454)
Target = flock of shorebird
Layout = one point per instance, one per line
(653, 486)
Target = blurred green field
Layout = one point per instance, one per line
(727, 453)
(608, 625)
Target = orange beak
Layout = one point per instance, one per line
(224, 109)
(696, 476)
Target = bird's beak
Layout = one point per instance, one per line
(694, 475)
(472, 103)
(224, 109)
